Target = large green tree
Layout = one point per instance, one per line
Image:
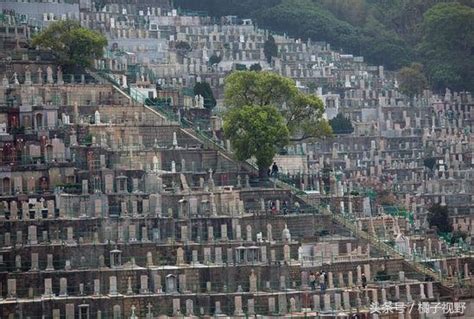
(256, 131)
(74, 45)
(302, 113)
(447, 46)
(204, 89)
(412, 80)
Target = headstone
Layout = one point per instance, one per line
(253, 281)
(327, 302)
(176, 307)
(251, 307)
(238, 306)
(346, 300)
(34, 262)
(144, 284)
(189, 308)
(113, 285)
(282, 305)
(62, 287)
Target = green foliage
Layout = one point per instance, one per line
(270, 49)
(256, 67)
(214, 59)
(240, 67)
(429, 162)
(458, 235)
(438, 216)
(303, 113)
(341, 125)
(383, 32)
(412, 80)
(447, 46)
(256, 131)
(158, 101)
(183, 48)
(88, 139)
(204, 89)
(382, 275)
(74, 45)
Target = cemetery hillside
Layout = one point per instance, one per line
(437, 34)
(231, 159)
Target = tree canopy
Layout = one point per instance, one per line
(270, 48)
(215, 59)
(447, 46)
(383, 32)
(302, 113)
(204, 89)
(256, 67)
(256, 131)
(341, 125)
(438, 216)
(412, 80)
(74, 45)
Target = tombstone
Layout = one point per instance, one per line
(316, 303)
(210, 233)
(176, 307)
(180, 256)
(293, 308)
(401, 276)
(397, 292)
(252, 282)
(327, 302)
(11, 288)
(113, 285)
(34, 262)
(238, 306)
(189, 307)
(271, 305)
(346, 300)
(49, 263)
(282, 304)
(49, 75)
(217, 310)
(157, 283)
(18, 262)
(367, 271)
(218, 255)
(330, 280)
(207, 255)
(171, 286)
(32, 235)
(183, 287)
(269, 233)
(62, 287)
(70, 311)
(286, 253)
(286, 236)
(96, 287)
(282, 283)
(144, 284)
(48, 287)
(408, 293)
(224, 232)
(129, 286)
(249, 232)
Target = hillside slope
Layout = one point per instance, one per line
(385, 32)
